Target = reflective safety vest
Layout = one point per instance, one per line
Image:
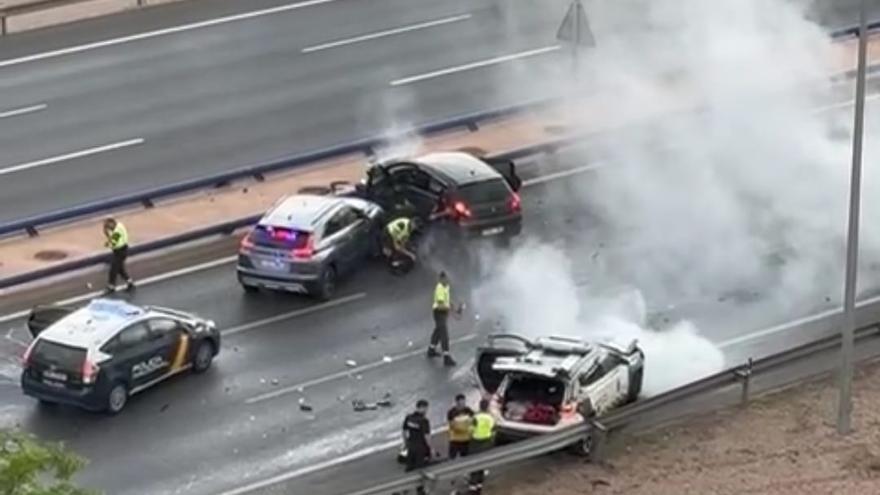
(441, 296)
(484, 426)
(400, 229)
(119, 237)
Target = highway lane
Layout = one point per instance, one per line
(222, 96)
(217, 87)
(241, 422)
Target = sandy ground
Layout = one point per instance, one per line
(782, 444)
(69, 13)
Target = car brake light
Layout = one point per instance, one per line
(89, 372)
(246, 244)
(461, 209)
(515, 202)
(306, 251)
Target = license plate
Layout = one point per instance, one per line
(54, 375)
(272, 264)
(493, 231)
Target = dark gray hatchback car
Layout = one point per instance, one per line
(306, 242)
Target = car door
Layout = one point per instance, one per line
(132, 351)
(338, 234)
(507, 169)
(171, 342)
(417, 190)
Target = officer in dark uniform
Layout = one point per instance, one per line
(417, 437)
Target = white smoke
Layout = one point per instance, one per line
(532, 292)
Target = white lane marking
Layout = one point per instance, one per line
(293, 314)
(347, 372)
(784, 327)
(475, 65)
(564, 173)
(142, 282)
(845, 104)
(389, 32)
(71, 156)
(22, 111)
(161, 32)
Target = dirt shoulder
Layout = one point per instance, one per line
(783, 444)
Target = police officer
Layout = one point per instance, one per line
(482, 439)
(417, 437)
(460, 419)
(117, 240)
(441, 307)
(399, 231)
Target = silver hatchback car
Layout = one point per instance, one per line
(306, 242)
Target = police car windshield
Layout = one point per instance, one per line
(489, 191)
(67, 358)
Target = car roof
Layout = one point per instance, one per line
(458, 167)
(92, 325)
(306, 211)
(551, 357)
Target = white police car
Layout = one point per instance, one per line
(96, 356)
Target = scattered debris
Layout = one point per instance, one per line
(262, 381)
(360, 406)
(274, 381)
(409, 344)
(163, 408)
(386, 359)
(358, 377)
(351, 363)
(300, 389)
(253, 418)
(303, 406)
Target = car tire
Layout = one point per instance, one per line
(326, 284)
(203, 357)
(584, 447)
(46, 403)
(249, 289)
(117, 398)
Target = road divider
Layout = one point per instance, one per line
(71, 156)
(246, 327)
(22, 111)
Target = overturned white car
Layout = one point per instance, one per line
(544, 385)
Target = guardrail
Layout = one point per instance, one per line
(599, 429)
(368, 146)
(37, 6)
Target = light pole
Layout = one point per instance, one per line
(844, 406)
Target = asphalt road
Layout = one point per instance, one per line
(87, 111)
(198, 101)
(241, 423)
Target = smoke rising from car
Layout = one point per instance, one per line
(532, 291)
(749, 192)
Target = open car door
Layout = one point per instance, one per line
(507, 169)
(499, 346)
(42, 317)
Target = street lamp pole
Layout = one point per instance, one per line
(844, 409)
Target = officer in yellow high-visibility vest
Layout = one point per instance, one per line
(482, 439)
(441, 306)
(398, 232)
(117, 240)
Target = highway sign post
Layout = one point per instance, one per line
(575, 29)
(844, 407)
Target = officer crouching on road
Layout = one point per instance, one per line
(117, 240)
(482, 439)
(398, 232)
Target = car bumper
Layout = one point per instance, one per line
(491, 229)
(288, 282)
(87, 398)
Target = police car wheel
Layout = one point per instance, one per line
(584, 448)
(117, 398)
(327, 284)
(203, 358)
